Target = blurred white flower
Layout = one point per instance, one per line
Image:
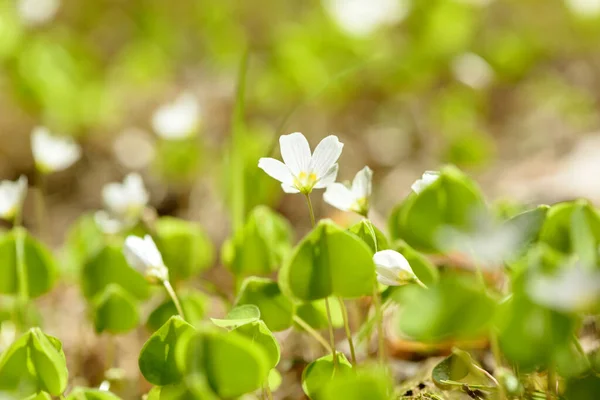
(12, 196)
(572, 289)
(355, 198)
(488, 242)
(472, 70)
(53, 153)
(144, 256)
(427, 179)
(584, 8)
(362, 17)
(123, 203)
(37, 12)
(301, 171)
(393, 269)
(179, 119)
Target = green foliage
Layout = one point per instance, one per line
(452, 368)
(185, 247)
(455, 307)
(318, 373)
(319, 266)
(80, 393)
(84, 239)
(258, 332)
(453, 200)
(157, 357)
(115, 310)
(34, 362)
(259, 247)
(314, 313)
(276, 310)
(230, 362)
(109, 266)
(194, 304)
(238, 316)
(364, 229)
(371, 383)
(420, 264)
(39, 264)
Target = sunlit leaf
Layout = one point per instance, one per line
(276, 310)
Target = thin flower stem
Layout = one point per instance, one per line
(310, 210)
(23, 279)
(173, 296)
(331, 335)
(377, 303)
(418, 282)
(268, 390)
(552, 383)
(312, 332)
(348, 330)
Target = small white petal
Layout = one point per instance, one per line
(143, 255)
(427, 179)
(361, 185)
(108, 224)
(37, 12)
(325, 156)
(12, 196)
(277, 170)
(328, 178)
(385, 281)
(179, 119)
(53, 153)
(392, 265)
(339, 196)
(295, 152)
(289, 189)
(126, 200)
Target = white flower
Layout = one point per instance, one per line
(53, 153)
(427, 179)
(301, 171)
(572, 289)
(584, 8)
(362, 17)
(126, 200)
(12, 196)
(472, 70)
(393, 269)
(37, 12)
(143, 255)
(179, 119)
(355, 198)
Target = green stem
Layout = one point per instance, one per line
(23, 279)
(348, 330)
(331, 334)
(552, 383)
(310, 210)
(268, 390)
(173, 296)
(377, 303)
(312, 332)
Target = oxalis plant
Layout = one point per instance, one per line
(504, 299)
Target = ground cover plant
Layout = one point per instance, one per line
(167, 233)
(512, 292)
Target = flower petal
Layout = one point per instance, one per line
(134, 252)
(325, 156)
(427, 179)
(393, 260)
(295, 152)
(361, 185)
(385, 281)
(328, 178)
(289, 189)
(276, 169)
(339, 196)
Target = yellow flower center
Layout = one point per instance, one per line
(361, 206)
(304, 182)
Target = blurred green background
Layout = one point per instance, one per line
(507, 90)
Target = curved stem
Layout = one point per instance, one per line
(310, 210)
(348, 330)
(331, 335)
(173, 296)
(268, 390)
(23, 279)
(312, 332)
(377, 304)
